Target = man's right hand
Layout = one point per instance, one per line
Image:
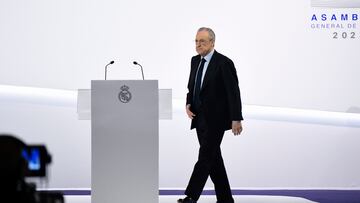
(190, 114)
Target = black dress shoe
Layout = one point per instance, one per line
(186, 200)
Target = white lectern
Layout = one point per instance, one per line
(125, 143)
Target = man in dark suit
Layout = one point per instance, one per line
(214, 105)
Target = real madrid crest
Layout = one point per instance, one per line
(125, 94)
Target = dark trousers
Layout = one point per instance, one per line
(210, 163)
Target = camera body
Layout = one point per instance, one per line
(19, 161)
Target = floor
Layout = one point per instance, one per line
(209, 199)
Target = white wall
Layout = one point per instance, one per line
(280, 61)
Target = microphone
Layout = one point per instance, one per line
(142, 72)
(111, 62)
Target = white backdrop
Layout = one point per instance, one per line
(280, 61)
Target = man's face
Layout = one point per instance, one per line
(203, 43)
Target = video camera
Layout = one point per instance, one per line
(18, 161)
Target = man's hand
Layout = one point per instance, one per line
(236, 127)
(190, 114)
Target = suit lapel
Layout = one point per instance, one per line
(194, 67)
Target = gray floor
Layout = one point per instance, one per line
(210, 199)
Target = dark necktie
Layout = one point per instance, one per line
(196, 101)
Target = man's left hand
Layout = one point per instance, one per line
(236, 127)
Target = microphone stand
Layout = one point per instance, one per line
(142, 72)
(111, 62)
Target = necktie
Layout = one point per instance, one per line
(196, 101)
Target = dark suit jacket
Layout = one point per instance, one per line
(219, 94)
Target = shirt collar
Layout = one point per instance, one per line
(209, 55)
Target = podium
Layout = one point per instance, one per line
(125, 141)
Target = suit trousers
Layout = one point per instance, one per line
(209, 163)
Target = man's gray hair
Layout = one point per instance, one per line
(210, 31)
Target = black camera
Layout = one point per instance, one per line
(18, 161)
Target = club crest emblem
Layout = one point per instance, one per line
(125, 94)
